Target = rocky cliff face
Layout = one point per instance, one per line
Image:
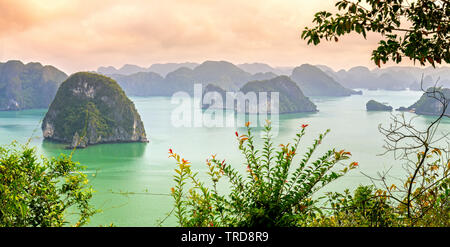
(26, 86)
(91, 109)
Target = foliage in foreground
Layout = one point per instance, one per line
(418, 30)
(41, 192)
(275, 191)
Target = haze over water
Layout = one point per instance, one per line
(146, 171)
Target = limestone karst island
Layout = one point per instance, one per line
(91, 109)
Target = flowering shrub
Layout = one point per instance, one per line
(274, 191)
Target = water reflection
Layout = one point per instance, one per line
(17, 127)
(297, 115)
(114, 151)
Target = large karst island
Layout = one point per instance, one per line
(291, 98)
(28, 86)
(431, 102)
(90, 109)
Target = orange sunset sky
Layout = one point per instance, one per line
(76, 35)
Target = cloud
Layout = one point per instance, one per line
(82, 35)
(15, 16)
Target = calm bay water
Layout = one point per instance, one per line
(146, 171)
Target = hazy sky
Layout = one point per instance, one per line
(78, 35)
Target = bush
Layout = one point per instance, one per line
(270, 193)
(365, 207)
(425, 194)
(41, 192)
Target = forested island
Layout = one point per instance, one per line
(28, 86)
(431, 102)
(90, 109)
(291, 98)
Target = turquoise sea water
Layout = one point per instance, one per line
(146, 171)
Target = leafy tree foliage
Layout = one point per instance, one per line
(418, 30)
(43, 192)
(365, 207)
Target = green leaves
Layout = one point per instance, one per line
(39, 192)
(274, 191)
(363, 208)
(419, 30)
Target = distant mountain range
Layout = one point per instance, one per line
(162, 69)
(221, 73)
(254, 68)
(165, 68)
(391, 78)
(310, 79)
(24, 86)
(179, 76)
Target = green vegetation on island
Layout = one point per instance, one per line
(431, 102)
(28, 86)
(90, 109)
(291, 98)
